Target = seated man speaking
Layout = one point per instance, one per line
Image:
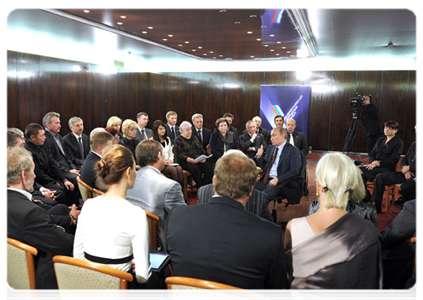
(220, 241)
(281, 162)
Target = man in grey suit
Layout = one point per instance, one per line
(143, 132)
(152, 191)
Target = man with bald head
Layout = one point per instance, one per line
(296, 138)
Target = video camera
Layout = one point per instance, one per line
(356, 100)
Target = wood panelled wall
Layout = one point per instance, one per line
(38, 84)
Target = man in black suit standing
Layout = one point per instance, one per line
(202, 133)
(410, 166)
(76, 144)
(281, 162)
(296, 138)
(99, 142)
(30, 223)
(220, 241)
(172, 129)
(252, 143)
(143, 132)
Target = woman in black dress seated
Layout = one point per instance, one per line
(171, 170)
(187, 148)
(222, 140)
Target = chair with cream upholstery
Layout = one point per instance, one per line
(73, 273)
(97, 192)
(184, 288)
(85, 190)
(20, 264)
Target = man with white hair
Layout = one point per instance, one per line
(202, 133)
(76, 143)
(261, 130)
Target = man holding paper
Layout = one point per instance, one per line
(188, 150)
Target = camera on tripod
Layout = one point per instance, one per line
(357, 99)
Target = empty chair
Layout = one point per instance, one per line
(184, 288)
(20, 264)
(73, 273)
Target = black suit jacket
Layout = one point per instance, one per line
(206, 136)
(73, 150)
(299, 141)
(217, 146)
(388, 154)
(148, 133)
(88, 175)
(32, 225)
(169, 133)
(221, 242)
(410, 158)
(257, 204)
(50, 146)
(245, 143)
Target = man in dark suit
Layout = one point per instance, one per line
(143, 132)
(263, 131)
(76, 144)
(98, 142)
(296, 138)
(220, 241)
(172, 129)
(30, 223)
(253, 144)
(406, 177)
(54, 146)
(202, 133)
(281, 162)
(48, 172)
(230, 118)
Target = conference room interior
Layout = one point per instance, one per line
(155, 70)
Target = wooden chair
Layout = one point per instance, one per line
(20, 264)
(416, 240)
(152, 220)
(97, 192)
(184, 288)
(85, 190)
(73, 273)
(185, 187)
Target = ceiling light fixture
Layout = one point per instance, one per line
(86, 11)
(194, 50)
(271, 35)
(211, 52)
(259, 40)
(249, 32)
(119, 23)
(222, 10)
(271, 50)
(165, 40)
(237, 23)
(144, 32)
(170, 35)
(180, 45)
(253, 16)
(200, 47)
(150, 27)
(123, 17)
(300, 20)
(186, 42)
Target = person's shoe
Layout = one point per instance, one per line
(378, 209)
(399, 201)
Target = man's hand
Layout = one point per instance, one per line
(49, 194)
(274, 181)
(373, 165)
(253, 137)
(74, 212)
(409, 175)
(405, 169)
(69, 185)
(260, 152)
(74, 171)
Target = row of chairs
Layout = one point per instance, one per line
(72, 273)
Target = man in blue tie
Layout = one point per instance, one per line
(281, 162)
(410, 166)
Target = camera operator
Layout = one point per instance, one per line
(369, 116)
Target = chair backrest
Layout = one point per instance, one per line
(85, 190)
(184, 288)
(73, 273)
(152, 220)
(97, 192)
(20, 264)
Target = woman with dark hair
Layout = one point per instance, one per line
(110, 229)
(171, 170)
(222, 140)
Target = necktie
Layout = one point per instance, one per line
(59, 144)
(173, 133)
(266, 175)
(200, 135)
(143, 134)
(291, 140)
(81, 146)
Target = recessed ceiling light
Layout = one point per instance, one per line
(165, 40)
(150, 27)
(222, 10)
(86, 11)
(119, 23)
(170, 35)
(288, 52)
(284, 47)
(200, 47)
(252, 56)
(272, 50)
(123, 17)
(220, 55)
(211, 52)
(237, 23)
(271, 35)
(194, 50)
(263, 26)
(205, 54)
(214, 57)
(186, 42)
(278, 42)
(259, 40)
(277, 54)
(249, 32)
(266, 45)
(144, 32)
(253, 16)
(180, 45)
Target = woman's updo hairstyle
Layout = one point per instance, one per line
(114, 162)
